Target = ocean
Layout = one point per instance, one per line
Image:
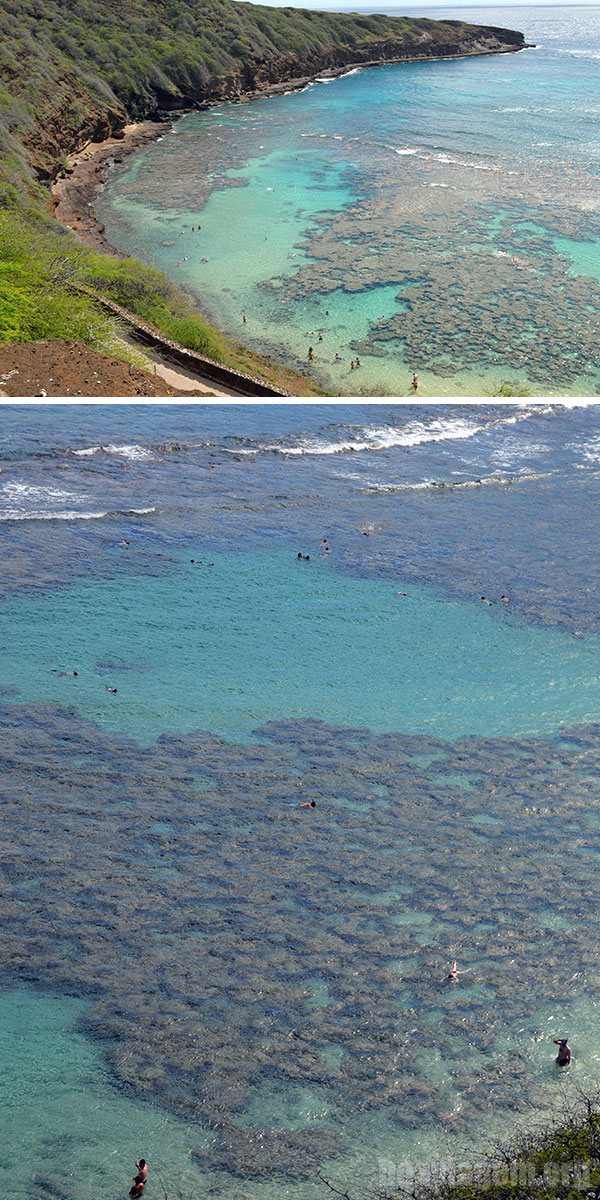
(192, 968)
(440, 218)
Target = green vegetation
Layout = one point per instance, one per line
(39, 265)
(561, 1162)
(77, 71)
(42, 267)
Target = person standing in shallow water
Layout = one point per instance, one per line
(563, 1057)
(415, 382)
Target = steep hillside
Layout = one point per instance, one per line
(74, 71)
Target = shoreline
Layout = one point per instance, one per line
(88, 169)
(75, 188)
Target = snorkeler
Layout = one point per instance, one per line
(563, 1057)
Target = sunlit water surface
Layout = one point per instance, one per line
(197, 971)
(440, 217)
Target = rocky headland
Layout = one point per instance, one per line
(78, 94)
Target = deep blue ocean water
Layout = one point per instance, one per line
(437, 217)
(196, 971)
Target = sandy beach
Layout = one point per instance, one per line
(76, 187)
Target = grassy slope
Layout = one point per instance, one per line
(561, 1162)
(75, 71)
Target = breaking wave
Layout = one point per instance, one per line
(135, 453)
(382, 489)
(16, 514)
(354, 439)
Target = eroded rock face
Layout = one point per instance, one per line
(270, 971)
(287, 68)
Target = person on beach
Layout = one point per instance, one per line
(563, 1057)
(415, 382)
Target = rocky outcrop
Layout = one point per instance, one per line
(61, 135)
(287, 69)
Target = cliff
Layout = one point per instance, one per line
(75, 73)
(78, 72)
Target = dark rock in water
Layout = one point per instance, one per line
(227, 949)
(264, 1154)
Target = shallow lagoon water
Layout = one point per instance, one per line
(255, 991)
(439, 217)
(303, 641)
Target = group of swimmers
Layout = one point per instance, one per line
(75, 675)
(324, 547)
(504, 599)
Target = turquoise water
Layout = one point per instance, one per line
(438, 217)
(62, 1125)
(242, 992)
(305, 640)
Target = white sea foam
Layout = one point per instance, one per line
(17, 514)
(135, 453)
(590, 451)
(383, 489)
(383, 438)
(414, 433)
(27, 491)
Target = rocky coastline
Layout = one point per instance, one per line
(76, 184)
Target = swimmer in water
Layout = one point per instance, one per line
(111, 689)
(563, 1057)
(311, 354)
(55, 671)
(453, 973)
(307, 804)
(142, 1170)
